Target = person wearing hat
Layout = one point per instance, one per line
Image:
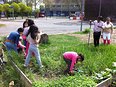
(71, 58)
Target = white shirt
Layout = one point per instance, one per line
(25, 31)
(32, 41)
(110, 25)
(96, 25)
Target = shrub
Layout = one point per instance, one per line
(87, 30)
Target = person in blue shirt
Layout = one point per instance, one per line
(13, 39)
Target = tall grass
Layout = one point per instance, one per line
(96, 59)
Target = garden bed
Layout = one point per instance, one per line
(96, 60)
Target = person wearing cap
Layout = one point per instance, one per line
(97, 30)
(107, 31)
(71, 58)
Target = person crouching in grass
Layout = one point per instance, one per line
(71, 58)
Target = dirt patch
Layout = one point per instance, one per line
(84, 37)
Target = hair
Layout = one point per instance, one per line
(24, 23)
(100, 18)
(20, 30)
(30, 22)
(82, 56)
(33, 31)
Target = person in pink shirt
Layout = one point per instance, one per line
(71, 58)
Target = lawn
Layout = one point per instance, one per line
(1, 25)
(97, 59)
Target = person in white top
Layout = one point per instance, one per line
(107, 30)
(26, 26)
(97, 30)
(33, 38)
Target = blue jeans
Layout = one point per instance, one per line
(10, 46)
(33, 49)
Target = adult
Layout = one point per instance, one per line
(107, 30)
(97, 30)
(71, 58)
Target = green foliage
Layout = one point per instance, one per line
(9, 74)
(96, 60)
(28, 9)
(1, 25)
(1, 7)
(69, 81)
(87, 30)
(15, 7)
(6, 7)
(37, 11)
(22, 7)
(98, 77)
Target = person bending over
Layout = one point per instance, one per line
(71, 58)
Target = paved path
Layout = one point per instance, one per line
(47, 25)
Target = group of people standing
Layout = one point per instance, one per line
(30, 35)
(103, 29)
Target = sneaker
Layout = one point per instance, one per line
(25, 66)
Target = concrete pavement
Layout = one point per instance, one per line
(46, 25)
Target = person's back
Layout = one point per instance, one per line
(70, 55)
(13, 37)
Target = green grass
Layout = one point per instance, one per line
(2, 25)
(96, 60)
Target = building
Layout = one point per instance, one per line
(61, 8)
(95, 8)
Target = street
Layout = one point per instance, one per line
(46, 25)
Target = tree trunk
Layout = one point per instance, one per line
(44, 39)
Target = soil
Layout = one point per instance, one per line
(84, 37)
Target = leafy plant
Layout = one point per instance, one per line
(96, 60)
(87, 30)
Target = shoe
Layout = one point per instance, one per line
(25, 66)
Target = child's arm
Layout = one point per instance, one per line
(21, 45)
(38, 38)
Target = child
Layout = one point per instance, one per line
(13, 39)
(107, 31)
(71, 58)
(28, 22)
(33, 38)
(21, 47)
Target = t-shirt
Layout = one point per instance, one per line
(107, 27)
(73, 56)
(96, 25)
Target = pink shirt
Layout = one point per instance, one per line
(73, 56)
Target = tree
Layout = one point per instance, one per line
(16, 8)
(22, 8)
(28, 10)
(1, 9)
(6, 9)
